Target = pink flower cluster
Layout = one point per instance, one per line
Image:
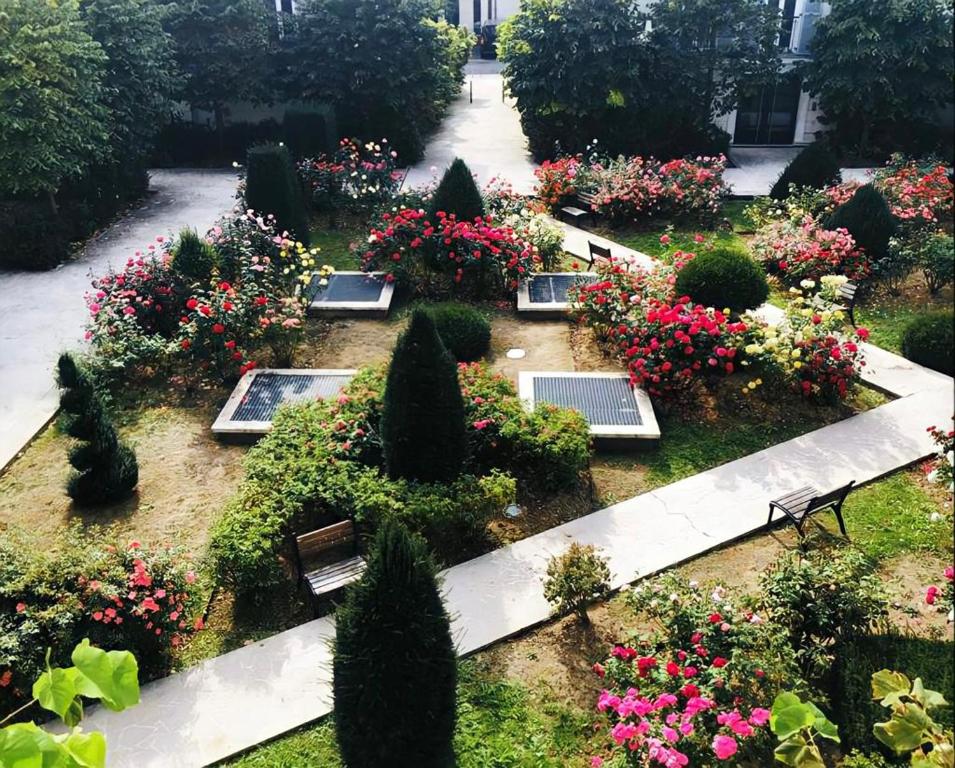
(805, 251)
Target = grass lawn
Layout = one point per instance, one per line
(501, 724)
(886, 316)
(334, 243)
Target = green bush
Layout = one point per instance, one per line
(395, 667)
(457, 194)
(928, 340)
(422, 421)
(105, 469)
(859, 760)
(575, 579)
(931, 660)
(464, 331)
(306, 133)
(272, 187)
(868, 219)
(815, 167)
(193, 257)
(936, 259)
(724, 277)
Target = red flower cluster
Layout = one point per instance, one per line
(556, 180)
(358, 176)
(830, 366)
(806, 252)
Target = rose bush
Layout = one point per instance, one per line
(798, 250)
(358, 177)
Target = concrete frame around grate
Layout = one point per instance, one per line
(375, 309)
(549, 308)
(224, 427)
(647, 433)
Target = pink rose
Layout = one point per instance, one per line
(724, 747)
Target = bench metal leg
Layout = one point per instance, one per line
(769, 520)
(842, 523)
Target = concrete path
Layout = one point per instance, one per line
(757, 169)
(43, 313)
(486, 134)
(230, 703)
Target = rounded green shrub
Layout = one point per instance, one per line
(928, 340)
(464, 331)
(814, 167)
(193, 257)
(868, 219)
(458, 194)
(422, 421)
(395, 667)
(272, 187)
(724, 277)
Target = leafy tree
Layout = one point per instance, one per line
(458, 194)
(395, 670)
(422, 421)
(881, 70)
(815, 166)
(53, 121)
(223, 48)
(106, 469)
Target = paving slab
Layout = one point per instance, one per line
(43, 313)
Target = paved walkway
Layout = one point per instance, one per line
(486, 134)
(233, 702)
(757, 169)
(43, 313)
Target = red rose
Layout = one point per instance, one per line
(218, 328)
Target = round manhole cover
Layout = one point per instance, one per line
(516, 353)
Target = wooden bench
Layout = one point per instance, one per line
(805, 501)
(847, 296)
(326, 579)
(583, 205)
(597, 252)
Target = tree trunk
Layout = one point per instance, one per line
(220, 128)
(51, 199)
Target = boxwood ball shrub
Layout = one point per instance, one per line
(272, 186)
(867, 217)
(464, 330)
(457, 193)
(814, 167)
(105, 469)
(723, 277)
(928, 340)
(422, 422)
(395, 667)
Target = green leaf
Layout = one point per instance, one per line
(789, 715)
(904, 732)
(87, 749)
(26, 745)
(822, 724)
(56, 691)
(111, 676)
(797, 752)
(885, 682)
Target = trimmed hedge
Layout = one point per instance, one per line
(724, 277)
(867, 217)
(457, 194)
(272, 186)
(193, 257)
(930, 341)
(814, 167)
(932, 660)
(464, 331)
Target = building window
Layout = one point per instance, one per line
(286, 6)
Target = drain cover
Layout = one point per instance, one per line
(516, 353)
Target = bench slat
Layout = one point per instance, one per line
(336, 576)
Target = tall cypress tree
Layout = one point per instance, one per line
(458, 194)
(106, 469)
(395, 669)
(422, 421)
(272, 186)
(869, 220)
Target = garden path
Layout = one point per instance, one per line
(757, 168)
(43, 313)
(486, 134)
(235, 701)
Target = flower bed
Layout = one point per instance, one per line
(322, 463)
(799, 250)
(358, 177)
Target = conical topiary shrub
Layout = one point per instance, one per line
(395, 670)
(867, 217)
(193, 257)
(422, 422)
(272, 186)
(458, 194)
(814, 167)
(106, 469)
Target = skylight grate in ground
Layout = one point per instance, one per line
(601, 400)
(270, 390)
(347, 288)
(549, 289)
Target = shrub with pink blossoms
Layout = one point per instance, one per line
(358, 176)
(803, 250)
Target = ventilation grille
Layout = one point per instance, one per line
(552, 289)
(270, 390)
(602, 400)
(347, 288)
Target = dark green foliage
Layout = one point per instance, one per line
(458, 194)
(928, 340)
(867, 217)
(106, 469)
(464, 331)
(272, 186)
(814, 167)
(422, 421)
(31, 237)
(306, 132)
(723, 277)
(395, 669)
(193, 257)
(932, 660)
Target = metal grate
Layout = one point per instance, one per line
(351, 288)
(270, 390)
(550, 289)
(602, 400)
